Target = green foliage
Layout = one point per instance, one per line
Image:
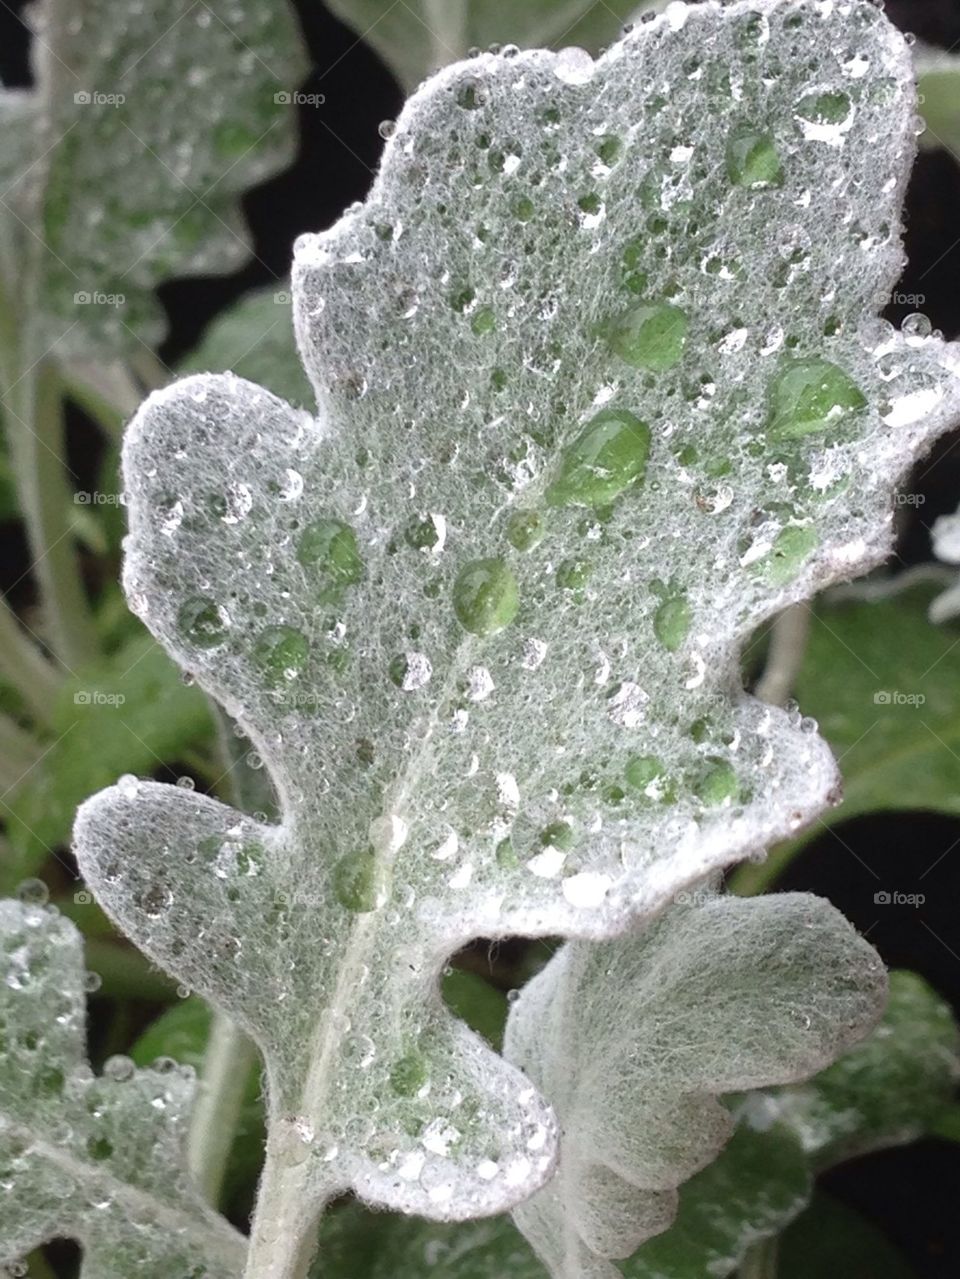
(191, 111)
(96, 1158)
(129, 715)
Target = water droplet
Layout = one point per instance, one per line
(718, 785)
(119, 1069)
(825, 116)
(671, 622)
(386, 129)
(650, 336)
(574, 66)
(608, 456)
(33, 892)
(810, 396)
(410, 671)
(328, 548)
(524, 530)
(486, 597)
(281, 652)
(916, 326)
(357, 883)
(426, 532)
(752, 160)
(202, 622)
(791, 549)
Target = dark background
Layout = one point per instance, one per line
(910, 1193)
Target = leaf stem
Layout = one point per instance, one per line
(18, 749)
(446, 20)
(227, 1062)
(21, 663)
(761, 1261)
(37, 445)
(282, 1244)
(788, 644)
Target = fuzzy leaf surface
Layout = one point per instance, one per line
(111, 186)
(96, 1159)
(481, 617)
(635, 1040)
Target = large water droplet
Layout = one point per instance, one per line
(650, 336)
(608, 456)
(486, 597)
(810, 396)
(281, 652)
(329, 549)
(671, 622)
(202, 622)
(752, 160)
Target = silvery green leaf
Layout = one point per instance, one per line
(125, 166)
(601, 389)
(893, 1087)
(633, 1041)
(890, 1089)
(418, 37)
(96, 1159)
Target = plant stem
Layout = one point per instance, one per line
(18, 749)
(788, 644)
(22, 664)
(229, 1054)
(38, 450)
(227, 1062)
(280, 1245)
(761, 1260)
(446, 20)
(107, 393)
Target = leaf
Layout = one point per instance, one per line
(508, 344)
(254, 339)
(157, 125)
(419, 37)
(831, 1238)
(181, 1033)
(758, 1183)
(882, 681)
(890, 1089)
(358, 1244)
(131, 715)
(938, 80)
(96, 1159)
(946, 547)
(724, 996)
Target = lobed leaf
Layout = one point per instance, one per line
(106, 130)
(634, 1040)
(600, 388)
(96, 1159)
(892, 1088)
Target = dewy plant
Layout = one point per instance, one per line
(602, 387)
